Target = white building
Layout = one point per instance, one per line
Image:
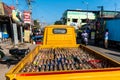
(77, 18)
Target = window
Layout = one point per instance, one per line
(68, 19)
(74, 20)
(84, 20)
(59, 31)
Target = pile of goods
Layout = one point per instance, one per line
(63, 59)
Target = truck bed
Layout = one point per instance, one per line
(61, 61)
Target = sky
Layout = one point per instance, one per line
(49, 11)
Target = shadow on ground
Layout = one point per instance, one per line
(100, 44)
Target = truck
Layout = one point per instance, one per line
(114, 28)
(60, 58)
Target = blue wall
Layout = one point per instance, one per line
(114, 29)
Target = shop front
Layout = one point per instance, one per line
(5, 21)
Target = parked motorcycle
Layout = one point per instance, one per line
(8, 60)
(19, 53)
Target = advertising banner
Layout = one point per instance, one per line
(27, 35)
(27, 17)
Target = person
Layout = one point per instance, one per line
(84, 37)
(106, 38)
(97, 39)
(79, 32)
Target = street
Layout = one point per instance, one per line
(25, 24)
(111, 53)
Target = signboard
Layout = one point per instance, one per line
(27, 17)
(27, 35)
(81, 15)
(14, 16)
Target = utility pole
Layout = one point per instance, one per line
(17, 4)
(101, 19)
(101, 11)
(115, 9)
(29, 5)
(30, 10)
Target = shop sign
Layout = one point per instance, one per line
(27, 17)
(27, 35)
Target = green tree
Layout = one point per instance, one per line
(58, 23)
(37, 24)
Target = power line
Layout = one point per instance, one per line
(17, 4)
(115, 7)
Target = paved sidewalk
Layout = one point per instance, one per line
(114, 54)
(110, 52)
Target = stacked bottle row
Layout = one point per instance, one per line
(59, 59)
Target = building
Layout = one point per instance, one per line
(5, 21)
(8, 17)
(77, 18)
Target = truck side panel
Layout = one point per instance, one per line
(87, 75)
